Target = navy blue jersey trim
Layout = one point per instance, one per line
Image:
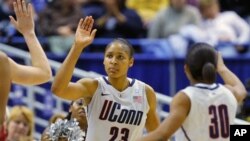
(106, 80)
(185, 133)
(130, 83)
(208, 88)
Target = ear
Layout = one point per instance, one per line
(131, 62)
(187, 71)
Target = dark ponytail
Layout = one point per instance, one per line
(202, 60)
(209, 73)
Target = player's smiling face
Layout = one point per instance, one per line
(117, 60)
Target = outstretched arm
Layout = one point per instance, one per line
(62, 86)
(40, 70)
(4, 85)
(179, 110)
(232, 82)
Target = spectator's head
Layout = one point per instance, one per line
(200, 65)
(55, 117)
(121, 4)
(9, 4)
(77, 111)
(20, 123)
(63, 4)
(209, 9)
(178, 4)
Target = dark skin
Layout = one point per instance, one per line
(180, 105)
(78, 112)
(117, 61)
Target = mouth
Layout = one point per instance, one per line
(82, 113)
(113, 70)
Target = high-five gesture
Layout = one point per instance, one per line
(84, 34)
(24, 22)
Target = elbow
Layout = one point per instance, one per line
(48, 75)
(244, 94)
(56, 90)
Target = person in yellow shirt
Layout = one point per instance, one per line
(147, 9)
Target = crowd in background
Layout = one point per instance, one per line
(187, 21)
(175, 20)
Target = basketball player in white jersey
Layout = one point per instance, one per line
(204, 110)
(119, 107)
(10, 71)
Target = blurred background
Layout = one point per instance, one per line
(161, 32)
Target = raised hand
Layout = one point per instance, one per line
(84, 34)
(24, 22)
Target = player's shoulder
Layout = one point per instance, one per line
(90, 83)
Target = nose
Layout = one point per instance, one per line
(22, 125)
(113, 60)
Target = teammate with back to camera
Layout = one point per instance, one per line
(204, 110)
(10, 71)
(119, 107)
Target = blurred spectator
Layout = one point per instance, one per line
(170, 20)
(241, 7)
(20, 124)
(3, 130)
(77, 110)
(220, 27)
(94, 8)
(55, 118)
(59, 21)
(6, 28)
(39, 5)
(119, 21)
(193, 2)
(147, 9)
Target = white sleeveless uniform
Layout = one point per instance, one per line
(117, 116)
(213, 110)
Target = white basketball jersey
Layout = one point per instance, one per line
(213, 109)
(117, 116)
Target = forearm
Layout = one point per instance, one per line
(65, 72)
(38, 57)
(233, 81)
(230, 78)
(5, 82)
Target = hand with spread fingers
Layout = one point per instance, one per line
(24, 22)
(84, 33)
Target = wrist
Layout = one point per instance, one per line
(29, 34)
(78, 46)
(222, 69)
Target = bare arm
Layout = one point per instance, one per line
(232, 82)
(62, 86)
(4, 85)
(152, 118)
(40, 71)
(179, 110)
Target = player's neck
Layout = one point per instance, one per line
(120, 84)
(83, 126)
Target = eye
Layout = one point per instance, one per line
(109, 56)
(120, 57)
(80, 103)
(17, 121)
(25, 124)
